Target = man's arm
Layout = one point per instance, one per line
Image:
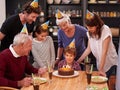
(1, 35)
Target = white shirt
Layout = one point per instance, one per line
(13, 51)
(96, 48)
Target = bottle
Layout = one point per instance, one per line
(51, 28)
(49, 11)
(42, 18)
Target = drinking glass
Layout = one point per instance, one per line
(50, 70)
(88, 69)
(87, 60)
(36, 83)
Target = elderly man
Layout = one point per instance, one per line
(14, 63)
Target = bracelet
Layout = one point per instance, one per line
(57, 58)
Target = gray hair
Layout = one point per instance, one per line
(21, 38)
(65, 18)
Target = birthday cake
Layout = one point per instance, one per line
(65, 71)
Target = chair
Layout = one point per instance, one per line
(7, 88)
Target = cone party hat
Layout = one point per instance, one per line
(59, 14)
(89, 15)
(24, 29)
(34, 4)
(45, 25)
(72, 44)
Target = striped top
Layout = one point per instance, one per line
(43, 51)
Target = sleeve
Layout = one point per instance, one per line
(76, 66)
(36, 56)
(60, 64)
(106, 32)
(4, 81)
(52, 50)
(29, 68)
(60, 44)
(6, 26)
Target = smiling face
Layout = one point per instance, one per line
(69, 57)
(64, 26)
(69, 54)
(31, 17)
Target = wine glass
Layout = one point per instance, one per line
(88, 69)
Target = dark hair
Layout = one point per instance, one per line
(29, 9)
(39, 30)
(70, 51)
(95, 21)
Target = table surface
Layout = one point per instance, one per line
(72, 83)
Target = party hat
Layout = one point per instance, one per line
(24, 29)
(45, 25)
(89, 15)
(34, 4)
(59, 14)
(72, 44)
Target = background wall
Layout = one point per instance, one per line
(2, 11)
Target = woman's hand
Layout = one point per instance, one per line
(101, 73)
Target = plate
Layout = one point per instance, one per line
(40, 80)
(55, 73)
(99, 79)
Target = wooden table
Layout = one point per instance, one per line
(75, 83)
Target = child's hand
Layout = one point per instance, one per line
(42, 71)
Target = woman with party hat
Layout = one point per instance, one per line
(67, 33)
(14, 23)
(42, 47)
(100, 44)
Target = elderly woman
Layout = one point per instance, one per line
(67, 32)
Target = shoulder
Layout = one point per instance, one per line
(75, 62)
(49, 38)
(62, 61)
(13, 17)
(5, 53)
(80, 27)
(106, 31)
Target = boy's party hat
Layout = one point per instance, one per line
(72, 44)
